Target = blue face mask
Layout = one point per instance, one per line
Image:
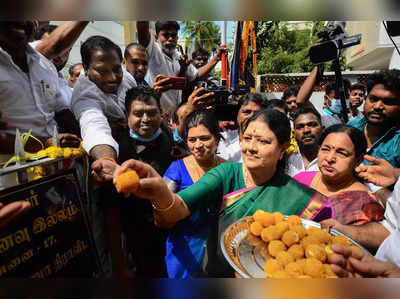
(336, 106)
(149, 139)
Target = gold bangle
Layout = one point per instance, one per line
(167, 208)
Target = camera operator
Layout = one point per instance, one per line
(199, 59)
(166, 60)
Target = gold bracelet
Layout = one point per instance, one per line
(167, 208)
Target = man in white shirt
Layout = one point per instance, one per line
(357, 95)
(29, 81)
(348, 263)
(65, 92)
(164, 59)
(98, 102)
(307, 131)
(74, 72)
(229, 148)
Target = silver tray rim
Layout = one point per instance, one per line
(245, 219)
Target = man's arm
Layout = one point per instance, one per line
(61, 39)
(370, 235)
(143, 31)
(205, 70)
(307, 88)
(102, 151)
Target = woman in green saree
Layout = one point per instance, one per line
(237, 189)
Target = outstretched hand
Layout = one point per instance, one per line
(66, 140)
(380, 172)
(200, 99)
(103, 170)
(352, 263)
(151, 184)
(12, 211)
(221, 50)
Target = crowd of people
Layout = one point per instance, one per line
(198, 175)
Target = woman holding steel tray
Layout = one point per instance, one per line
(238, 189)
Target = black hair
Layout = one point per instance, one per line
(254, 97)
(42, 29)
(71, 68)
(272, 103)
(357, 86)
(290, 91)
(141, 93)
(166, 25)
(356, 136)
(305, 110)
(278, 123)
(200, 52)
(205, 118)
(97, 43)
(257, 98)
(136, 46)
(389, 78)
(331, 86)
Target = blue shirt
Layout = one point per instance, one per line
(143, 83)
(387, 147)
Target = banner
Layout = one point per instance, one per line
(54, 238)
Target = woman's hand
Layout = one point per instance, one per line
(151, 184)
(352, 263)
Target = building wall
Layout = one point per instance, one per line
(114, 30)
(375, 51)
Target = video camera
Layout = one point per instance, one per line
(225, 105)
(222, 94)
(334, 41)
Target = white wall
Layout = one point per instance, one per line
(317, 98)
(113, 30)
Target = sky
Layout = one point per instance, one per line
(229, 29)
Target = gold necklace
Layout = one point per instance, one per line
(247, 181)
(200, 171)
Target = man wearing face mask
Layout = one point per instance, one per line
(332, 104)
(164, 59)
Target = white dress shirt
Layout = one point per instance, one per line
(64, 93)
(295, 164)
(93, 107)
(389, 249)
(161, 63)
(29, 101)
(392, 211)
(229, 147)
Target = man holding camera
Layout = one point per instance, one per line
(164, 59)
(200, 59)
